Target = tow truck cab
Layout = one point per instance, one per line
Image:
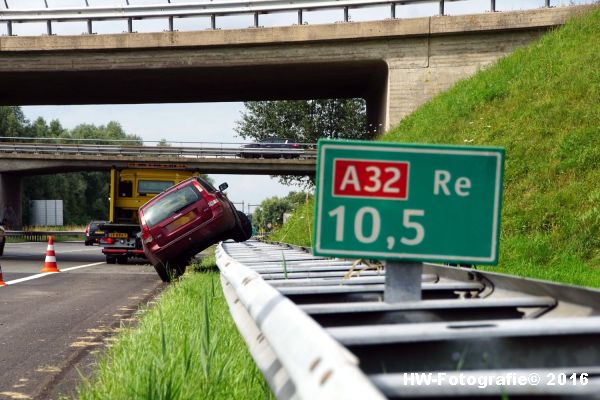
(129, 189)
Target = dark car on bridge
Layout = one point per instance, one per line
(186, 219)
(93, 233)
(272, 147)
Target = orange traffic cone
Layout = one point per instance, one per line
(2, 283)
(50, 263)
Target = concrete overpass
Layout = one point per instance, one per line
(395, 65)
(36, 159)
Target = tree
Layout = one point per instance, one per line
(163, 143)
(12, 122)
(304, 121)
(84, 194)
(271, 210)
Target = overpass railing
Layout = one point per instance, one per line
(216, 150)
(9, 14)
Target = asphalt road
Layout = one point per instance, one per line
(52, 325)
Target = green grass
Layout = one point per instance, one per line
(187, 347)
(298, 229)
(542, 104)
(208, 262)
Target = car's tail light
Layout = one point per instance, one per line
(146, 235)
(213, 201)
(295, 145)
(87, 230)
(107, 240)
(198, 186)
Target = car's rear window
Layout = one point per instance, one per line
(153, 187)
(170, 204)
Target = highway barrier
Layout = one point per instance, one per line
(316, 334)
(42, 236)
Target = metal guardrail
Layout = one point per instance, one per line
(42, 236)
(475, 334)
(212, 9)
(228, 150)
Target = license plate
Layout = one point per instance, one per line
(99, 232)
(181, 221)
(117, 235)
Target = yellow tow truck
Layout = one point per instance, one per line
(130, 189)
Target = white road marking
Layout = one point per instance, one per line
(82, 266)
(36, 276)
(75, 251)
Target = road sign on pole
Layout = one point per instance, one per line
(408, 202)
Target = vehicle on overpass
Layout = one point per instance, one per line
(272, 147)
(130, 189)
(186, 219)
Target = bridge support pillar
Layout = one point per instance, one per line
(11, 190)
(408, 88)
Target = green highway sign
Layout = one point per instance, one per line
(408, 202)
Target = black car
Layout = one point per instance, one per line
(92, 233)
(272, 147)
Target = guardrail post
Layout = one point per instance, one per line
(300, 19)
(9, 30)
(49, 27)
(393, 10)
(89, 27)
(346, 14)
(547, 4)
(129, 24)
(441, 7)
(493, 6)
(402, 281)
(171, 24)
(213, 21)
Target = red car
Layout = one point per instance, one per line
(186, 219)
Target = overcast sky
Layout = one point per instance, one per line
(209, 122)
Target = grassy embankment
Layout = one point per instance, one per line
(186, 347)
(542, 104)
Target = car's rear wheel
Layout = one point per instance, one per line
(2, 246)
(173, 270)
(122, 260)
(111, 259)
(242, 231)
